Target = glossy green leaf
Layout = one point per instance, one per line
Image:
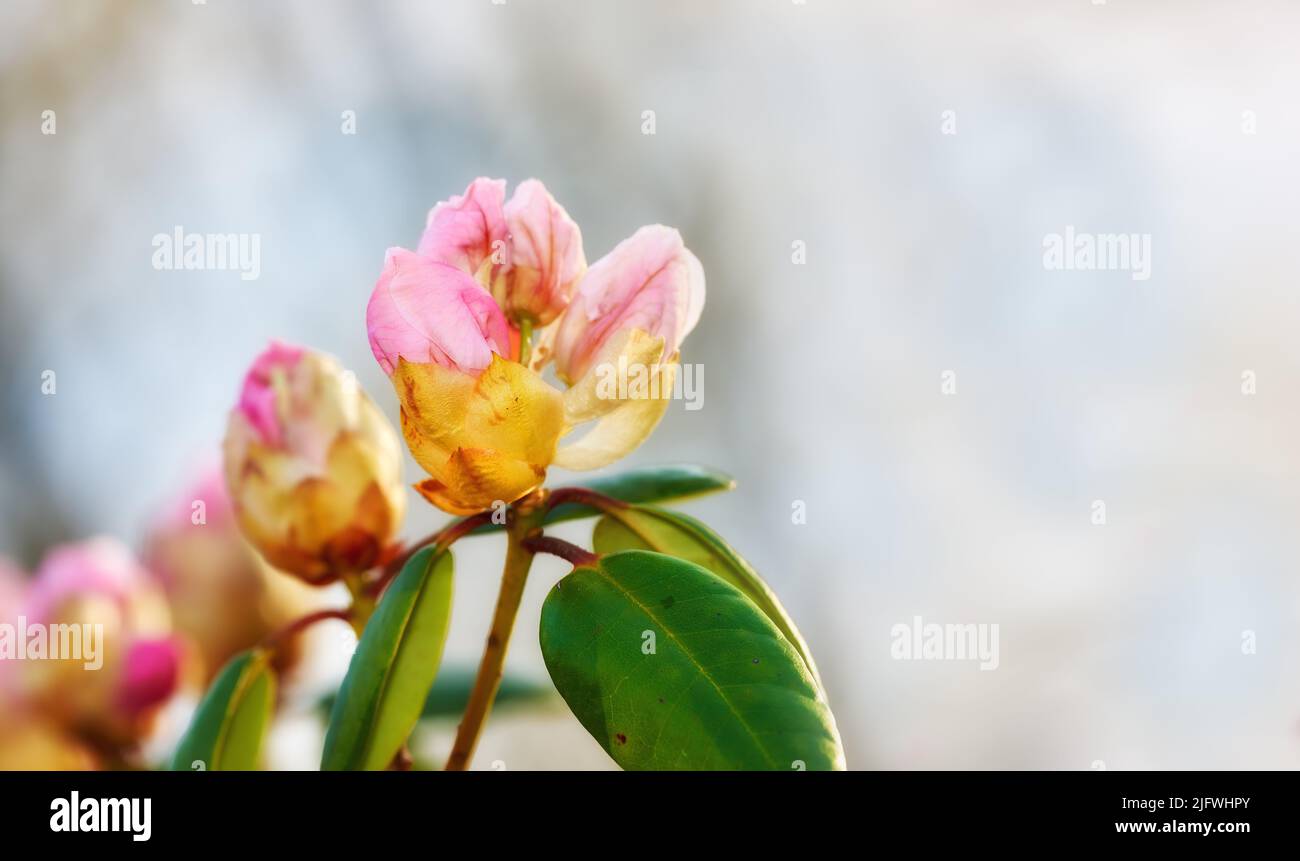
(393, 667)
(646, 484)
(669, 666)
(228, 728)
(680, 535)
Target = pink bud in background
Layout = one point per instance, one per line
(99, 568)
(466, 230)
(128, 662)
(427, 312)
(223, 597)
(649, 282)
(180, 513)
(546, 258)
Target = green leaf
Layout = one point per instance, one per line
(228, 727)
(669, 666)
(680, 535)
(647, 484)
(393, 668)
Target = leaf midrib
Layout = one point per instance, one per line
(247, 676)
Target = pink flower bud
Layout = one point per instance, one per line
(545, 260)
(649, 282)
(424, 311)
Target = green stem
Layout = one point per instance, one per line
(525, 341)
(275, 639)
(525, 521)
(445, 537)
(363, 603)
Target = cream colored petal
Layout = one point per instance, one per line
(624, 427)
(598, 392)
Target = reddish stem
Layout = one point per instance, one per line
(571, 553)
(323, 580)
(444, 537)
(584, 496)
(276, 637)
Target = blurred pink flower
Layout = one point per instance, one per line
(101, 567)
(223, 598)
(110, 695)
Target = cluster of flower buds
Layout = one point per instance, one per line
(448, 322)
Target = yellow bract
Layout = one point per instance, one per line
(490, 438)
(626, 391)
(483, 440)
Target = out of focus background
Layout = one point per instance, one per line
(919, 151)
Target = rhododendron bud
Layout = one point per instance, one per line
(122, 663)
(424, 311)
(649, 282)
(546, 259)
(484, 426)
(313, 468)
(223, 597)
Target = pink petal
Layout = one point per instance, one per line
(433, 312)
(257, 400)
(650, 281)
(546, 256)
(461, 231)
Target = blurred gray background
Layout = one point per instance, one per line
(776, 121)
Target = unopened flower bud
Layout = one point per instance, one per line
(313, 468)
